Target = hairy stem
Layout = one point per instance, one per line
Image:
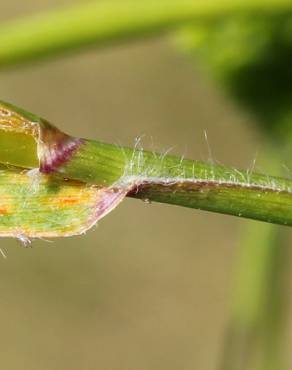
(101, 23)
(188, 183)
(147, 175)
(255, 335)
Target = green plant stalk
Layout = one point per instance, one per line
(240, 53)
(101, 23)
(147, 175)
(254, 339)
(255, 335)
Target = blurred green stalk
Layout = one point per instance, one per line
(251, 58)
(255, 335)
(255, 332)
(104, 22)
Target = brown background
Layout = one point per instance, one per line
(149, 288)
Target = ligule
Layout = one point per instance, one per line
(37, 199)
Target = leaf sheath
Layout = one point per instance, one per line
(147, 175)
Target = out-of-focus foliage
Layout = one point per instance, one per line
(252, 58)
(88, 301)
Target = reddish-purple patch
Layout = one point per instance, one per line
(56, 148)
(109, 200)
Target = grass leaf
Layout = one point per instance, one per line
(147, 175)
(35, 206)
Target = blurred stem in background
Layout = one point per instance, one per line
(247, 45)
(255, 334)
(251, 58)
(256, 330)
(104, 22)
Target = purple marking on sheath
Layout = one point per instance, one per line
(109, 200)
(55, 154)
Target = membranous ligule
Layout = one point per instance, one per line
(18, 138)
(34, 203)
(29, 141)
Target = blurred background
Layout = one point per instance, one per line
(151, 286)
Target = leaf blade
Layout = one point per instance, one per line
(45, 207)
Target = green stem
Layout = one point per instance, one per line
(147, 175)
(188, 183)
(101, 23)
(255, 334)
(254, 340)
